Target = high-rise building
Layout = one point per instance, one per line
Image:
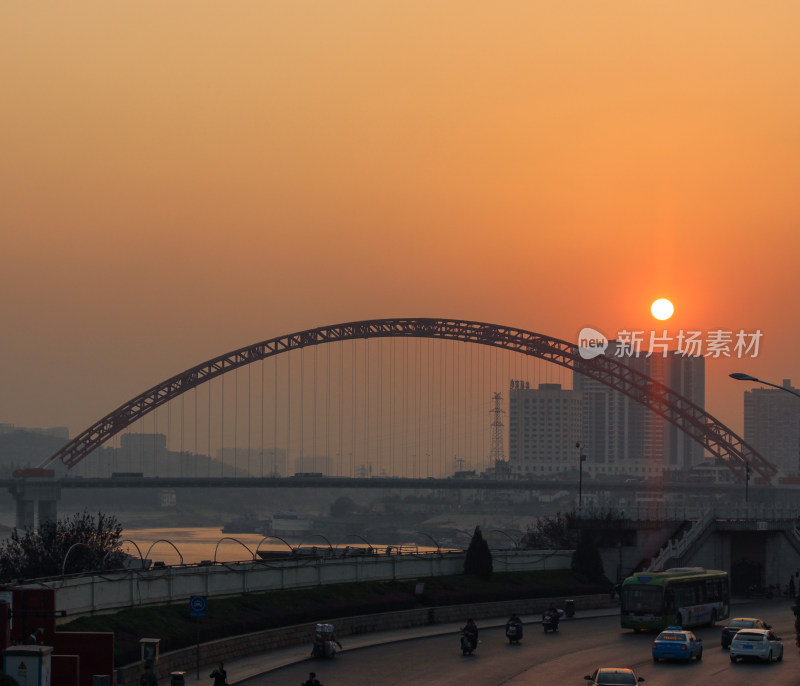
(544, 426)
(772, 426)
(685, 375)
(613, 424)
(621, 436)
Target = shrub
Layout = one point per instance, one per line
(478, 560)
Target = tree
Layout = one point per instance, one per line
(478, 560)
(586, 559)
(92, 543)
(6, 680)
(563, 531)
(556, 532)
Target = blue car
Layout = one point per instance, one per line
(676, 644)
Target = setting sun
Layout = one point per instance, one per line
(662, 309)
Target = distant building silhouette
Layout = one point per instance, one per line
(23, 447)
(686, 375)
(772, 426)
(613, 424)
(55, 431)
(148, 454)
(621, 436)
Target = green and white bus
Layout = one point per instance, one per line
(682, 596)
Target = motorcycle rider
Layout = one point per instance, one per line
(514, 626)
(552, 613)
(470, 630)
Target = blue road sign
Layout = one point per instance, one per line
(198, 606)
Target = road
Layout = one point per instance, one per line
(563, 658)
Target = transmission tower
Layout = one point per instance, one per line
(497, 454)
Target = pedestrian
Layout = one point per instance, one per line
(312, 680)
(148, 678)
(791, 586)
(219, 675)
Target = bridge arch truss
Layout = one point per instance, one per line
(714, 436)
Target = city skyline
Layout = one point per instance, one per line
(181, 184)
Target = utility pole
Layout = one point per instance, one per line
(497, 455)
(581, 460)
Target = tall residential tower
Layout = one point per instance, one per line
(772, 426)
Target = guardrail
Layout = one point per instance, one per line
(101, 592)
(237, 647)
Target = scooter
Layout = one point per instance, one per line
(325, 649)
(468, 643)
(325, 643)
(550, 622)
(514, 632)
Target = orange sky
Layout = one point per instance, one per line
(182, 179)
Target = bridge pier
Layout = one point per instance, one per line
(32, 495)
(25, 512)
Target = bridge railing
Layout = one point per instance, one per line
(756, 512)
(662, 513)
(675, 548)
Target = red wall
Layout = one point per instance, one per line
(66, 670)
(5, 631)
(95, 649)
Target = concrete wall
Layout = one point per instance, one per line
(236, 647)
(130, 588)
(712, 552)
(717, 550)
(782, 561)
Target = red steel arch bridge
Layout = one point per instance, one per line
(702, 427)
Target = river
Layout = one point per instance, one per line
(193, 545)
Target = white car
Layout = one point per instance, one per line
(760, 643)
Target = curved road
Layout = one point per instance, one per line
(562, 658)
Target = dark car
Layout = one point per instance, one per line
(613, 676)
(738, 623)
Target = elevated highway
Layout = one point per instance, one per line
(549, 485)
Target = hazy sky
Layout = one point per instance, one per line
(182, 179)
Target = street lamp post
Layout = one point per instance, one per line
(741, 376)
(748, 470)
(581, 460)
